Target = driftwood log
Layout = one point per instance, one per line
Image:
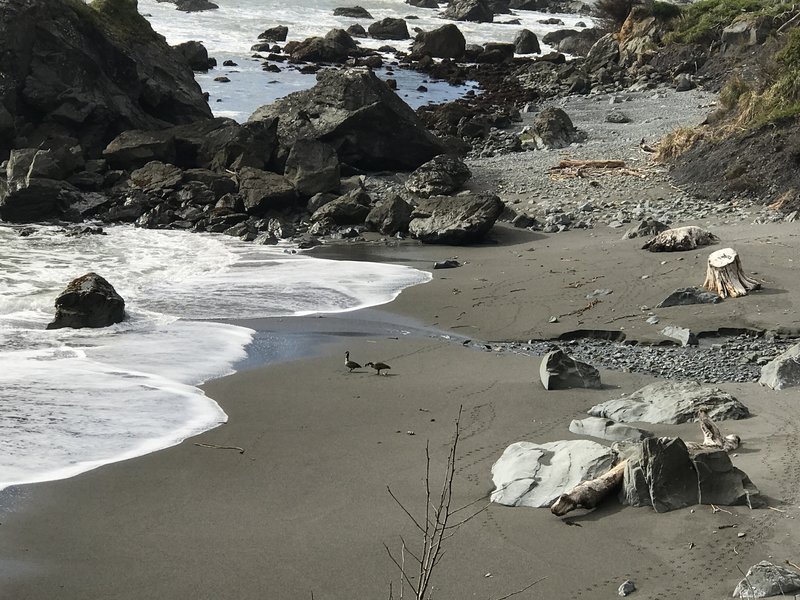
(588, 494)
(591, 164)
(725, 276)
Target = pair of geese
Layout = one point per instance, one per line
(351, 364)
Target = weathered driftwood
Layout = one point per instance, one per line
(679, 239)
(588, 494)
(725, 276)
(590, 164)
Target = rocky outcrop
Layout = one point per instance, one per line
(765, 579)
(74, 73)
(671, 402)
(312, 167)
(88, 301)
(558, 371)
(606, 429)
(195, 55)
(535, 475)
(350, 209)
(603, 53)
(390, 216)
(458, 220)
(389, 29)
(359, 116)
(469, 10)
(748, 30)
(783, 371)
(446, 41)
(441, 176)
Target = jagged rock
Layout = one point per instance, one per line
(689, 295)
(350, 209)
(603, 53)
(275, 34)
(195, 54)
(469, 10)
(337, 46)
(457, 220)
(85, 72)
(558, 371)
(441, 176)
(682, 334)
(552, 128)
(219, 183)
(570, 41)
(671, 402)
(390, 216)
(765, 579)
(680, 238)
(359, 116)
(389, 29)
(262, 191)
(719, 482)
(783, 371)
(646, 228)
(446, 264)
(535, 475)
(156, 175)
(354, 12)
(446, 41)
(88, 301)
(312, 167)
(606, 429)
(526, 42)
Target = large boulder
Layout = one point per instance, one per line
(390, 216)
(571, 41)
(357, 114)
(558, 371)
(446, 41)
(748, 30)
(671, 402)
(469, 10)
(423, 3)
(336, 47)
(350, 209)
(389, 29)
(313, 168)
(552, 128)
(604, 53)
(195, 55)
(88, 301)
(526, 42)
(441, 176)
(86, 72)
(455, 220)
(279, 33)
(353, 12)
(262, 191)
(783, 371)
(764, 580)
(606, 429)
(535, 475)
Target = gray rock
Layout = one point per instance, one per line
(455, 220)
(663, 477)
(558, 371)
(446, 264)
(683, 83)
(441, 176)
(766, 579)
(617, 116)
(689, 295)
(719, 482)
(606, 429)
(551, 128)
(783, 371)
(535, 475)
(350, 209)
(671, 402)
(423, 3)
(526, 42)
(136, 148)
(599, 293)
(88, 301)
(680, 239)
(312, 167)
(157, 175)
(626, 588)
(603, 53)
(469, 10)
(275, 34)
(354, 12)
(685, 336)
(262, 191)
(445, 42)
(336, 47)
(390, 216)
(748, 30)
(389, 29)
(645, 228)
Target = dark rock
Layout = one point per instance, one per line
(570, 41)
(389, 29)
(441, 176)
(458, 220)
(275, 34)
(603, 53)
(446, 264)
(88, 301)
(719, 482)
(689, 295)
(558, 371)
(359, 116)
(526, 42)
(135, 148)
(195, 5)
(469, 10)
(495, 53)
(350, 209)
(390, 216)
(262, 191)
(317, 201)
(445, 42)
(312, 167)
(664, 477)
(356, 30)
(646, 228)
(423, 3)
(219, 183)
(765, 579)
(337, 46)
(355, 12)
(195, 54)
(157, 175)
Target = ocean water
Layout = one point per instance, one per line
(72, 400)
(231, 30)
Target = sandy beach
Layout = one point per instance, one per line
(304, 509)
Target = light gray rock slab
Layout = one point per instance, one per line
(606, 429)
(783, 371)
(558, 371)
(685, 336)
(766, 579)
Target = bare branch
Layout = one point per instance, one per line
(402, 571)
(405, 510)
(527, 587)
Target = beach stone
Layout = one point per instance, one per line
(766, 579)
(689, 295)
(357, 114)
(551, 128)
(390, 216)
(275, 34)
(88, 301)
(313, 168)
(455, 220)
(645, 228)
(626, 588)
(558, 371)
(535, 475)
(671, 402)
(606, 429)
(617, 116)
(441, 176)
(446, 41)
(685, 336)
(389, 29)
(680, 239)
(783, 371)
(526, 42)
(354, 12)
(262, 191)
(469, 10)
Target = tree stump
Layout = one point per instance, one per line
(725, 275)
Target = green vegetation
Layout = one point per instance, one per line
(663, 11)
(703, 21)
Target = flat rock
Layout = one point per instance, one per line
(765, 579)
(689, 295)
(671, 402)
(558, 371)
(783, 371)
(685, 336)
(606, 429)
(535, 475)
(455, 220)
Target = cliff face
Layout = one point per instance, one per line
(72, 73)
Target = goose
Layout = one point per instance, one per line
(350, 364)
(378, 366)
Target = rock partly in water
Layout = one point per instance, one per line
(335, 47)
(88, 301)
(469, 10)
(765, 579)
(783, 371)
(558, 371)
(278, 33)
(389, 29)
(441, 176)
(679, 239)
(671, 402)
(535, 475)
(526, 42)
(353, 12)
(445, 42)
(455, 220)
(606, 429)
(195, 55)
(689, 295)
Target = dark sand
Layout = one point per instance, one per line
(305, 508)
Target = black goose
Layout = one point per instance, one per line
(350, 364)
(378, 366)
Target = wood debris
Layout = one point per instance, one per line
(570, 168)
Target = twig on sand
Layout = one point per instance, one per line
(776, 509)
(791, 564)
(716, 509)
(216, 447)
(580, 311)
(527, 587)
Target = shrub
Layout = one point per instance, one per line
(664, 11)
(703, 21)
